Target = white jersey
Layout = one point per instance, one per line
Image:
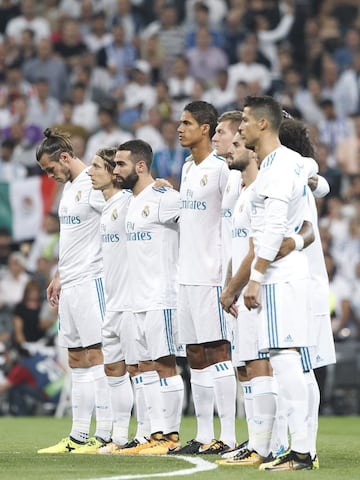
(231, 194)
(282, 177)
(113, 241)
(240, 232)
(79, 246)
(152, 241)
(201, 191)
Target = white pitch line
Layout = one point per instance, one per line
(201, 465)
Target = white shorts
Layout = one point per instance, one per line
(155, 334)
(81, 313)
(118, 338)
(200, 315)
(284, 315)
(246, 341)
(323, 353)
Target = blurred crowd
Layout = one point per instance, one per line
(107, 71)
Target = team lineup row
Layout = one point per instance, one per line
(228, 266)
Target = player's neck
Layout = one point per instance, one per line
(77, 166)
(250, 173)
(142, 183)
(200, 152)
(267, 145)
(110, 192)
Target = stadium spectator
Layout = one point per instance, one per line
(347, 152)
(152, 52)
(205, 59)
(169, 160)
(139, 93)
(344, 53)
(268, 38)
(48, 65)
(85, 110)
(218, 93)
(171, 35)
(201, 18)
(108, 133)
(216, 8)
(28, 325)
(98, 37)
(181, 84)
(27, 19)
(70, 45)
(148, 128)
(333, 128)
(24, 133)
(8, 11)
(43, 109)
(127, 16)
(13, 281)
(247, 69)
(348, 88)
(45, 244)
(118, 57)
(10, 169)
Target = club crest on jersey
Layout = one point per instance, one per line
(78, 196)
(204, 180)
(228, 188)
(145, 213)
(114, 214)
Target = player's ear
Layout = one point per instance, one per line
(64, 158)
(205, 128)
(140, 167)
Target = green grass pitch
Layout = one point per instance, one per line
(338, 450)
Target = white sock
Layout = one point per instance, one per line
(280, 435)
(122, 400)
(172, 390)
(313, 409)
(153, 400)
(142, 415)
(83, 402)
(292, 387)
(248, 407)
(225, 399)
(264, 393)
(103, 412)
(203, 398)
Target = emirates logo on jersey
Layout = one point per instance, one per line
(204, 180)
(145, 213)
(114, 214)
(78, 196)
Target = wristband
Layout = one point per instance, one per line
(299, 241)
(256, 276)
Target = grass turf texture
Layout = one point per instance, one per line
(338, 450)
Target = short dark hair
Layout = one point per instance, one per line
(295, 135)
(204, 113)
(55, 141)
(139, 150)
(265, 106)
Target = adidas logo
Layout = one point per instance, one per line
(288, 338)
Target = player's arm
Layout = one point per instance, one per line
(237, 282)
(298, 241)
(270, 242)
(169, 206)
(319, 186)
(53, 290)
